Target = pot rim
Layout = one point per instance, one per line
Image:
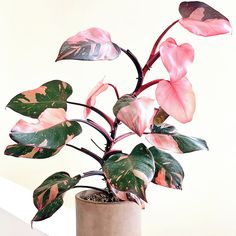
(78, 197)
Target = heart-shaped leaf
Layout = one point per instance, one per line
(32, 103)
(52, 131)
(18, 150)
(92, 44)
(167, 138)
(48, 197)
(176, 58)
(136, 113)
(130, 173)
(91, 100)
(201, 19)
(177, 99)
(168, 171)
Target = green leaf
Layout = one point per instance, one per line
(168, 171)
(52, 131)
(32, 103)
(91, 45)
(166, 137)
(48, 197)
(130, 173)
(18, 150)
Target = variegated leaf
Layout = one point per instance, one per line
(18, 150)
(52, 131)
(136, 113)
(92, 44)
(130, 173)
(32, 103)
(168, 171)
(48, 197)
(201, 19)
(167, 138)
(127, 196)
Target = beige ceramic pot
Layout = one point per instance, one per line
(106, 219)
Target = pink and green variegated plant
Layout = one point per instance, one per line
(126, 175)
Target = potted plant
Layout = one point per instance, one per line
(125, 175)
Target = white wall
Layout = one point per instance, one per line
(31, 35)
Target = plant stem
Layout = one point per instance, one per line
(115, 89)
(92, 173)
(102, 114)
(86, 151)
(153, 52)
(99, 128)
(150, 63)
(123, 136)
(155, 55)
(147, 85)
(138, 68)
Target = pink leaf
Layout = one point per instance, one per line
(206, 28)
(177, 99)
(201, 19)
(91, 100)
(48, 118)
(138, 114)
(91, 44)
(176, 58)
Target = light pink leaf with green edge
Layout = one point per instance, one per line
(201, 19)
(92, 44)
(176, 58)
(177, 99)
(138, 114)
(52, 131)
(91, 100)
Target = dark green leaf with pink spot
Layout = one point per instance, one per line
(131, 173)
(168, 171)
(32, 103)
(48, 197)
(18, 150)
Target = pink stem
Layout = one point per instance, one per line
(160, 38)
(115, 89)
(153, 55)
(123, 136)
(147, 85)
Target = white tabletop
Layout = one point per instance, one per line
(17, 210)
